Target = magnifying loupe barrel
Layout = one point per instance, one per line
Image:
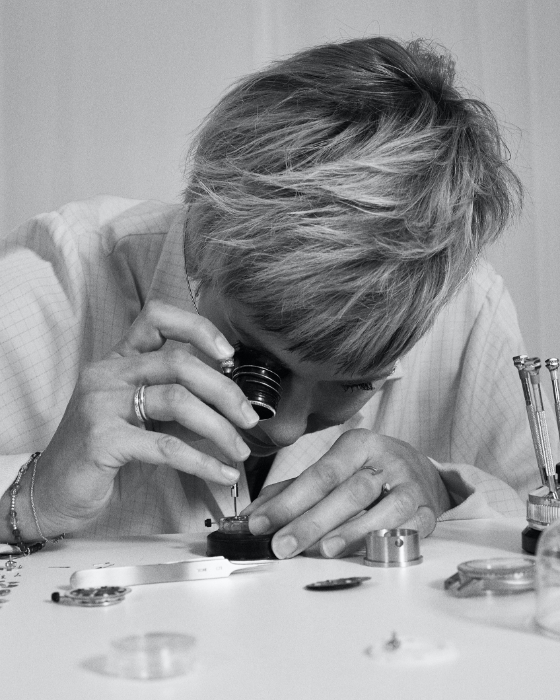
(261, 386)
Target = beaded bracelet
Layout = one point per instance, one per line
(24, 547)
(45, 539)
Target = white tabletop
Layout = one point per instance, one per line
(261, 635)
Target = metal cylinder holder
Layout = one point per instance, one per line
(542, 510)
(392, 548)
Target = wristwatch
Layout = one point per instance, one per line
(499, 575)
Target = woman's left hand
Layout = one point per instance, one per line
(329, 504)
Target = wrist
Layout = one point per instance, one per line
(17, 510)
(44, 539)
(22, 524)
(53, 497)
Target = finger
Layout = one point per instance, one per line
(398, 509)
(168, 451)
(424, 521)
(172, 402)
(349, 453)
(159, 322)
(178, 368)
(349, 499)
(265, 495)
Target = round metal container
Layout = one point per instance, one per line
(390, 548)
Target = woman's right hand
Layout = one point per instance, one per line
(100, 432)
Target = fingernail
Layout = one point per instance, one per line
(284, 546)
(249, 413)
(230, 473)
(332, 546)
(259, 525)
(242, 448)
(224, 348)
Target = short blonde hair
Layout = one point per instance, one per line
(344, 194)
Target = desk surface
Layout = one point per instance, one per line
(262, 635)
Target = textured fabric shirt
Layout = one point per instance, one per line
(73, 281)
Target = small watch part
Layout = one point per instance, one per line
(233, 540)
(411, 651)
(236, 523)
(92, 597)
(501, 575)
(151, 656)
(337, 584)
(394, 643)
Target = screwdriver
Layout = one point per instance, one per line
(533, 366)
(520, 362)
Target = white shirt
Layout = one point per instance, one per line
(72, 282)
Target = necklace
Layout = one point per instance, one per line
(193, 297)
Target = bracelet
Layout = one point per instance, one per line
(23, 547)
(45, 539)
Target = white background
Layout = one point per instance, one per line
(101, 97)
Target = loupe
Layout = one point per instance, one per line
(258, 377)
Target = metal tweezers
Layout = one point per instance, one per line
(189, 570)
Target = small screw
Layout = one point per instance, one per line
(394, 643)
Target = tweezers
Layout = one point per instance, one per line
(189, 570)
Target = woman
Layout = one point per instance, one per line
(336, 208)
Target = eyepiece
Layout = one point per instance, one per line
(260, 380)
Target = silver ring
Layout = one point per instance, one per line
(384, 491)
(373, 470)
(140, 404)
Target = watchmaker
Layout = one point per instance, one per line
(333, 221)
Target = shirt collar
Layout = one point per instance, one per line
(398, 372)
(169, 283)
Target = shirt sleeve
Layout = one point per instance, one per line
(493, 464)
(476, 494)
(41, 328)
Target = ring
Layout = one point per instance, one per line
(373, 470)
(385, 490)
(140, 404)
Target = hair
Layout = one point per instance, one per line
(343, 195)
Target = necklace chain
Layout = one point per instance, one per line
(193, 298)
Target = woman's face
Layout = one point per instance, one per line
(315, 396)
